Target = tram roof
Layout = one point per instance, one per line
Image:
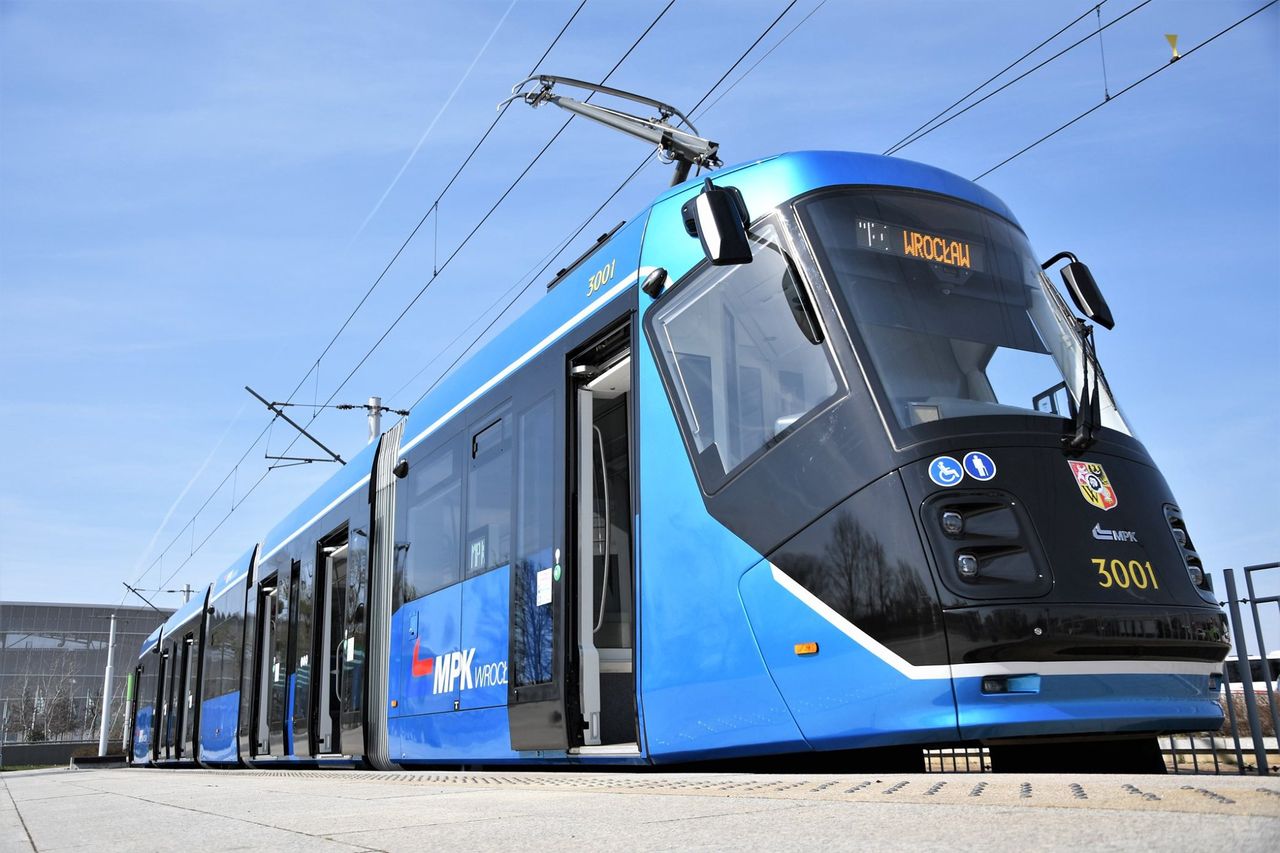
(186, 611)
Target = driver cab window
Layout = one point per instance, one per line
(743, 356)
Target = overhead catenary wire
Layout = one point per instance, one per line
(315, 364)
(591, 218)
(196, 547)
(434, 207)
(789, 33)
(913, 139)
(485, 218)
(533, 273)
(1131, 86)
(435, 120)
(976, 89)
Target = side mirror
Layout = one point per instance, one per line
(718, 217)
(1083, 289)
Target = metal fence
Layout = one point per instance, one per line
(1247, 742)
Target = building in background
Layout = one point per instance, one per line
(52, 661)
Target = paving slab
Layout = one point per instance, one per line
(328, 810)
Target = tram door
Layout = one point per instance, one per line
(541, 692)
(266, 667)
(182, 698)
(571, 682)
(332, 643)
(163, 706)
(283, 675)
(604, 578)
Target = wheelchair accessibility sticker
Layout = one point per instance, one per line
(945, 471)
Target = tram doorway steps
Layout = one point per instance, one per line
(607, 749)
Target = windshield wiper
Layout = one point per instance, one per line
(1089, 412)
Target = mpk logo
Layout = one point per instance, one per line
(456, 670)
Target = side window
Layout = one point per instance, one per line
(531, 621)
(743, 358)
(489, 494)
(430, 514)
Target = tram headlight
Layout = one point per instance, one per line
(952, 523)
(967, 565)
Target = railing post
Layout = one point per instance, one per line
(1246, 677)
(1235, 725)
(1254, 601)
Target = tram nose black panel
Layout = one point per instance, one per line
(986, 545)
(865, 561)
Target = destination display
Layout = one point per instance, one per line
(910, 243)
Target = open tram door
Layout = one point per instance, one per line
(604, 580)
(571, 683)
(335, 643)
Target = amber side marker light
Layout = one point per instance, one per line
(806, 648)
(395, 704)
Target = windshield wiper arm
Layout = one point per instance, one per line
(1089, 412)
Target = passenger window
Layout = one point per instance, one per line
(741, 362)
(531, 621)
(489, 494)
(430, 513)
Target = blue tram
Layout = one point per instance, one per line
(810, 460)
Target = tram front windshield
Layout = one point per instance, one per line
(951, 306)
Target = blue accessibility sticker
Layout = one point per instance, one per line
(945, 471)
(979, 466)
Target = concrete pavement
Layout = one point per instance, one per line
(196, 810)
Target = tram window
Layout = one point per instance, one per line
(739, 367)
(532, 618)
(430, 513)
(489, 493)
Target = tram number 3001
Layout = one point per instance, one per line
(601, 277)
(1118, 573)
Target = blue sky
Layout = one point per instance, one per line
(183, 187)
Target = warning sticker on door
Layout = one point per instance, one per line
(544, 587)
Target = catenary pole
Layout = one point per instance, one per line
(106, 689)
(375, 418)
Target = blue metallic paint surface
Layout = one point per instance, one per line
(291, 695)
(432, 626)
(486, 605)
(704, 685)
(769, 182)
(424, 726)
(219, 718)
(234, 576)
(1068, 704)
(142, 732)
(843, 696)
(481, 734)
